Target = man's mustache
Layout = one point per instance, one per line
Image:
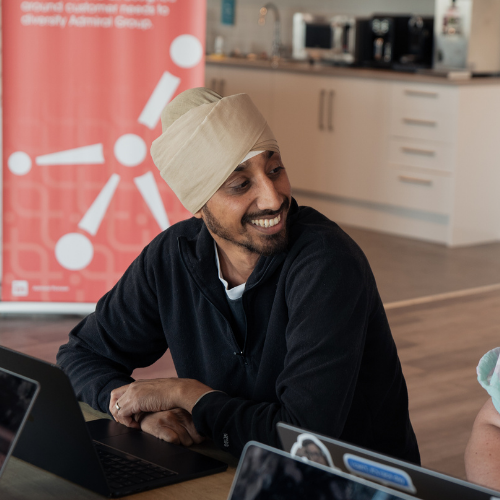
(256, 215)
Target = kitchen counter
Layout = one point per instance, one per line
(342, 71)
(411, 154)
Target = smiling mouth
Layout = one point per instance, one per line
(266, 222)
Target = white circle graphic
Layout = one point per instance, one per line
(130, 150)
(74, 251)
(186, 51)
(19, 163)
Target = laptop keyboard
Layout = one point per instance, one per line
(123, 471)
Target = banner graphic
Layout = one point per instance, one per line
(84, 83)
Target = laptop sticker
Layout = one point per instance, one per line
(310, 448)
(389, 476)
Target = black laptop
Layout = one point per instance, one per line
(17, 395)
(103, 456)
(416, 481)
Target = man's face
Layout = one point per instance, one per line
(250, 209)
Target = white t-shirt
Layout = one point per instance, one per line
(233, 293)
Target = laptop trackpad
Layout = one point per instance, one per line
(104, 428)
(141, 444)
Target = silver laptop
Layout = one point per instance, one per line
(265, 473)
(391, 472)
(17, 395)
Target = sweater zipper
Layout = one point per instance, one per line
(242, 351)
(239, 351)
(242, 354)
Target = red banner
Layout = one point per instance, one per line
(84, 83)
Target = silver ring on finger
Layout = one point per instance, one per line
(117, 406)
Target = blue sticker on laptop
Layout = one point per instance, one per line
(375, 471)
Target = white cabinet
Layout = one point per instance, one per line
(426, 155)
(444, 161)
(254, 82)
(360, 129)
(303, 124)
(411, 158)
(427, 112)
(420, 169)
(332, 132)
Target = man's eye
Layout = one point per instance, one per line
(241, 186)
(276, 170)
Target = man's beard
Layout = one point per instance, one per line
(268, 244)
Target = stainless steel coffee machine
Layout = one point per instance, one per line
(349, 45)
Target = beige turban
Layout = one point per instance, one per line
(205, 137)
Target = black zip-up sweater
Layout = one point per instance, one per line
(318, 351)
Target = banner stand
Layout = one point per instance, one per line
(83, 88)
(59, 308)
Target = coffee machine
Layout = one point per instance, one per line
(349, 46)
(389, 37)
(399, 42)
(344, 39)
(418, 52)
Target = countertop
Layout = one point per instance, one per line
(343, 71)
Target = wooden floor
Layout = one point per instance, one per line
(406, 269)
(439, 345)
(439, 341)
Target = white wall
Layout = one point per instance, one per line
(247, 36)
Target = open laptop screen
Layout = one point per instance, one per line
(17, 395)
(265, 473)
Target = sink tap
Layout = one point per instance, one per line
(275, 53)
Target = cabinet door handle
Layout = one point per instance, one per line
(331, 95)
(418, 151)
(421, 93)
(415, 180)
(222, 85)
(321, 108)
(422, 123)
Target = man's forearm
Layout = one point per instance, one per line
(92, 376)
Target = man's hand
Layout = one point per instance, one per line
(174, 426)
(128, 402)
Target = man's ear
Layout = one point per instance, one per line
(198, 214)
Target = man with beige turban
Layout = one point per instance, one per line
(270, 310)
